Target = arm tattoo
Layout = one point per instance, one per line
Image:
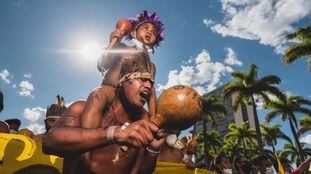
(65, 121)
(98, 97)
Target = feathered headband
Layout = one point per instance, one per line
(152, 18)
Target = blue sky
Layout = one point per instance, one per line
(50, 47)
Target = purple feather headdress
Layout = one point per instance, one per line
(152, 18)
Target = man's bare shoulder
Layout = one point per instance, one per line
(76, 107)
(104, 92)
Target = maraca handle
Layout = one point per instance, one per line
(112, 43)
(158, 120)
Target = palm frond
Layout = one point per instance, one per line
(270, 79)
(271, 115)
(295, 51)
(303, 130)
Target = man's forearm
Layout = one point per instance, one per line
(149, 163)
(70, 140)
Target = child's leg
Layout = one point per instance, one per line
(152, 102)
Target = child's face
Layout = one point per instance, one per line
(147, 33)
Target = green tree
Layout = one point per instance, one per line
(291, 152)
(286, 108)
(213, 144)
(241, 134)
(246, 86)
(231, 148)
(212, 107)
(305, 125)
(272, 134)
(301, 48)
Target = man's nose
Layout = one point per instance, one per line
(147, 84)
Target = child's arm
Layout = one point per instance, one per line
(152, 101)
(97, 101)
(106, 59)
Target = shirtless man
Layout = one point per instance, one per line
(124, 122)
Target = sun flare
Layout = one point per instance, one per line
(91, 51)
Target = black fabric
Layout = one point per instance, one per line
(1, 101)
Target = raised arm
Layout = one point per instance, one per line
(107, 58)
(66, 137)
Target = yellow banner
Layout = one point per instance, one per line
(18, 152)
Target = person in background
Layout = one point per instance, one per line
(242, 165)
(13, 125)
(3, 126)
(301, 169)
(53, 113)
(26, 132)
(170, 152)
(221, 164)
(262, 165)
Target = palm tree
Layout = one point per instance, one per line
(241, 134)
(271, 134)
(286, 108)
(299, 49)
(249, 85)
(230, 148)
(213, 144)
(305, 124)
(291, 151)
(211, 107)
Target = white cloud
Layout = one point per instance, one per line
(208, 22)
(231, 58)
(35, 116)
(14, 86)
(28, 75)
(68, 104)
(267, 21)
(18, 3)
(4, 76)
(26, 88)
(306, 139)
(36, 128)
(203, 74)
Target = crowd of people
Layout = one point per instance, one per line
(53, 113)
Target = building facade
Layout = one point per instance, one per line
(242, 114)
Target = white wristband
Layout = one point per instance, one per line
(152, 152)
(110, 133)
(124, 126)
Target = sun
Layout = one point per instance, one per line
(91, 51)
